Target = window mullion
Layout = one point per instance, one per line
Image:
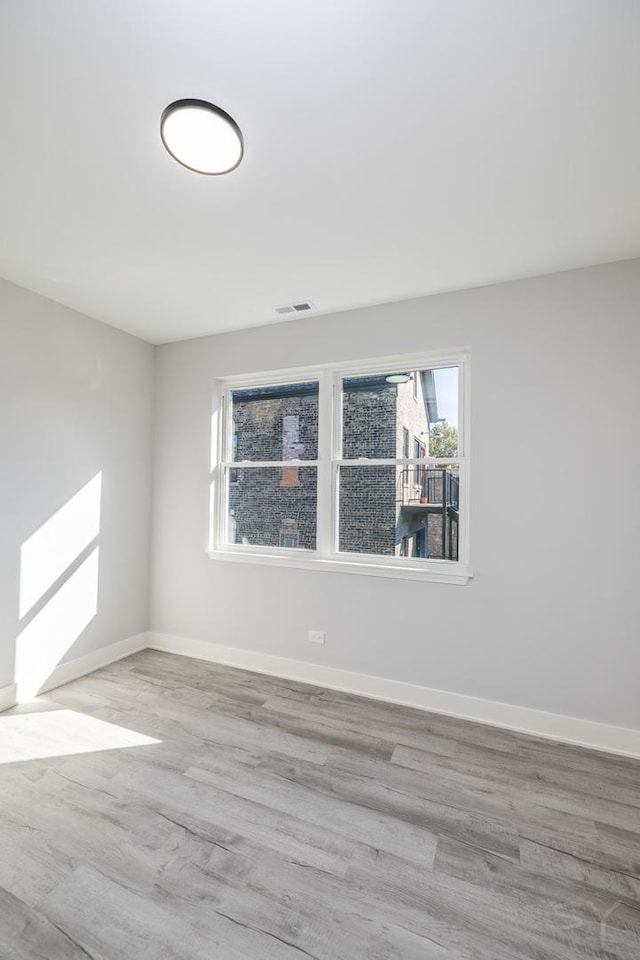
(397, 461)
(248, 464)
(226, 430)
(325, 439)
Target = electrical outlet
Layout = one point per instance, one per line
(316, 636)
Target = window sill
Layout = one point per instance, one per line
(435, 573)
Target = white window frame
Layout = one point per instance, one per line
(329, 459)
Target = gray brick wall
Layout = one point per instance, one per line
(367, 495)
(268, 504)
(271, 506)
(368, 510)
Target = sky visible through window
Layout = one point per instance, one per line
(446, 380)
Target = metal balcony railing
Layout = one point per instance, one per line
(430, 486)
(434, 493)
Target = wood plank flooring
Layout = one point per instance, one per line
(169, 809)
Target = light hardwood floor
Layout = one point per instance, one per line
(261, 819)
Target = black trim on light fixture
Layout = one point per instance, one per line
(212, 108)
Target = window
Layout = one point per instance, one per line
(272, 475)
(342, 469)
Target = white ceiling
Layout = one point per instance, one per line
(393, 148)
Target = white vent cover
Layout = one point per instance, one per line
(295, 307)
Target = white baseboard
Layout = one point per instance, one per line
(539, 723)
(81, 666)
(8, 696)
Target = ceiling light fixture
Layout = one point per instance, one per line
(201, 136)
(399, 377)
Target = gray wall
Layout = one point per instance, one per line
(76, 398)
(551, 619)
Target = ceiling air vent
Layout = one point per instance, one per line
(295, 308)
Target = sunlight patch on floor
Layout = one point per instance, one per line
(62, 733)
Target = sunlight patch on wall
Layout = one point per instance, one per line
(45, 640)
(50, 550)
(62, 733)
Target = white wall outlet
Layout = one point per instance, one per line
(316, 636)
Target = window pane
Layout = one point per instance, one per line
(429, 510)
(273, 506)
(443, 436)
(275, 423)
(368, 510)
(379, 416)
(399, 511)
(369, 418)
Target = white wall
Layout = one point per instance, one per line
(76, 399)
(551, 619)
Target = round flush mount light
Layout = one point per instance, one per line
(201, 136)
(399, 378)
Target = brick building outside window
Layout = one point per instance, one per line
(383, 510)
